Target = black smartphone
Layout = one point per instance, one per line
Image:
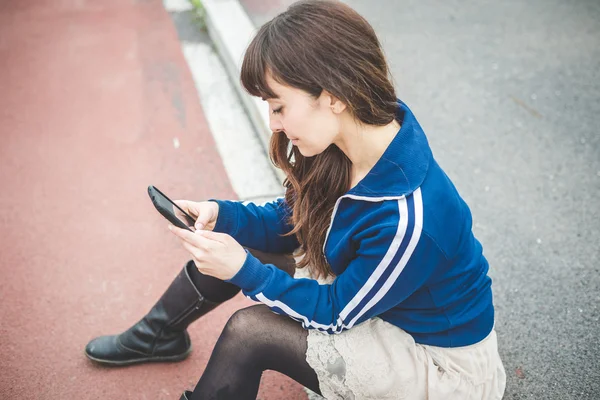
(171, 211)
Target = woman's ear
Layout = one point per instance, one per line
(336, 105)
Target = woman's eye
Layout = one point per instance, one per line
(278, 111)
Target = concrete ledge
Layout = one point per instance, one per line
(231, 31)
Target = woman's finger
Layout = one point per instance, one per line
(214, 236)
(182, 233)
(186, 205)
(196, 238)
(197, 253)
(185, 235)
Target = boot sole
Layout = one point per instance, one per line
(176, 358)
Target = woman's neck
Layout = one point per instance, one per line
(364, 145)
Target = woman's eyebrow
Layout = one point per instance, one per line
(270, 98)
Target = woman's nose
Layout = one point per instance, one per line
(275, 125)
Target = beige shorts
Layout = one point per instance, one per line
(377, 360)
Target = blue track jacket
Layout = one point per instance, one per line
(400, 244)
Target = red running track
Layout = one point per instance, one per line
(93, 94)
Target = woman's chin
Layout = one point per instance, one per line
(306, 152)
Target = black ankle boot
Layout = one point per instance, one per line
(161, 335)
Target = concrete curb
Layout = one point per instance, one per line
(231, 30)
(235, 137)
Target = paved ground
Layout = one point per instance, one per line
(509, 94)
(94, 95)
(97, 103)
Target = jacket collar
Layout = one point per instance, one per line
(404, 164)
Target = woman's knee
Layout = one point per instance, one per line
(246, 321)
(249, 329)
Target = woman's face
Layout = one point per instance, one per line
(311, 124)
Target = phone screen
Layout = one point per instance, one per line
(170, 210)
(183, 216)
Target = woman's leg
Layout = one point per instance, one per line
(161, 334)
(212, 288)
(254, 340)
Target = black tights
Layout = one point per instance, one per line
(254, 340)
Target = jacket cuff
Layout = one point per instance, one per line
(227, 218)
(253, 275)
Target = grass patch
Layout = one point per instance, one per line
(199, 14)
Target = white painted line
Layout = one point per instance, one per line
(177, 5)
(231, 30)
(249, 170)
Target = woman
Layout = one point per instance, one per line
(398, 303)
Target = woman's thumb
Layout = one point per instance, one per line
(206, 216)
(203, 219)
(199, 225)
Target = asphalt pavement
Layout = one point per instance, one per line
(98, 102)
(508, 93)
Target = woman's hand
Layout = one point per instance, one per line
(215, 254)
(205, 213)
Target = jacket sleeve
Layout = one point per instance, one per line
(259, 227)
(391, 263)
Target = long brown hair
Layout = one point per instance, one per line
(319, 45)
